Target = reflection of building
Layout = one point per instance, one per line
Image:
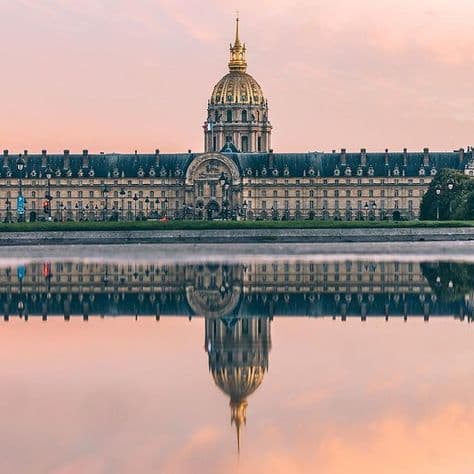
(238, 175)
(273, 289)
(238, 359)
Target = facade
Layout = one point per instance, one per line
(238, 176)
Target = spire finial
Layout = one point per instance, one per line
(237, 50)
(237, 19)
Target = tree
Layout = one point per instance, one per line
(449, 196)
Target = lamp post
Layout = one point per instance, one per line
(147, 202)
(122, 197)
(366, 207)
(226, 196)
(438, 194)
(49, 174)
(77, 211)
(166, 207)
(157, 208)
(222, 180)
(135, 199)
(374, 208)
(244, 207)
(61, 207)
(20, 164)
(450, 188)
(8, 216)
(105, 192)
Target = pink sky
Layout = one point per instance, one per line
(120, 75)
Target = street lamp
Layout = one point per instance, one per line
(105, 192)
(244, 207)
(366, 207)
(122, 196)
(450, 188)
(157, 208)
(20, 164)
(8, 216)
(438, 193)
(374, 208)
(61, 206)
(135, 199)
(49, 174)
(166, 207)
(147, 202)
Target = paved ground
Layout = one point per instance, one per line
(237, 236)
(242, 252)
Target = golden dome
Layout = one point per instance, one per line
(237, 87)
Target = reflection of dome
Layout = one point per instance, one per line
(237, 88)
(238, 359)
(238, 382)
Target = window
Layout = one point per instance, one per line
(244, 116)
(229, 116)
(245, 144)
(311, 193)
(259, 144)
(348, 193)
(275, 194)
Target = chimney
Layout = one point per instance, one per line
(157, 158)
(405, 157)
(66, 161)
(270, 159)
(5, 158)
(386, 157)
(343, 157)
(85, 158)
(363, 157)
(426, 157)
(44, 159)
(461, 157)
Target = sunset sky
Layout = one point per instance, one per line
(120, 75)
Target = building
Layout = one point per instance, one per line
(237, 176)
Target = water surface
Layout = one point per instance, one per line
(326, 363)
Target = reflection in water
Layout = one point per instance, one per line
(277, 289)
(239, 302)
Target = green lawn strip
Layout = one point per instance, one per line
(216, 225)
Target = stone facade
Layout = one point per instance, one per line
(238, 176)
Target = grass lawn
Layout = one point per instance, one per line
(204, 225)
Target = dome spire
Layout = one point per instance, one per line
(237, 61)
(238, 417)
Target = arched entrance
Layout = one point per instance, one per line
(212, 210)
(213, 186)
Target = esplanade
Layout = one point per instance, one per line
(238, 176)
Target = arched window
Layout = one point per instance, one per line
(244, 116)
(229, 116)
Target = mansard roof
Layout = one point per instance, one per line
(271, 165)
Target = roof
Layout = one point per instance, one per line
(115, 165)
